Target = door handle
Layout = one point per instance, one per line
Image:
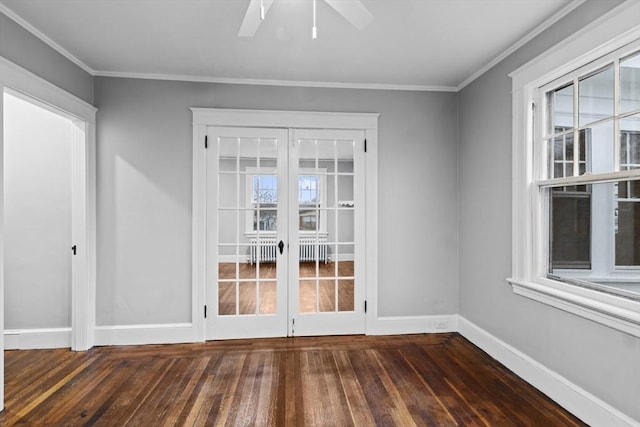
(73, 249)
(281, 246)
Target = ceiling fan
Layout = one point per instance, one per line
(352, 10)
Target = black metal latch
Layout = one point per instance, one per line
(281, 246)
(73, 249)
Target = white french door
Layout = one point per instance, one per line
(326, 233)
(285, 232)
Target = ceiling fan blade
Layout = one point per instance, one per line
(252, 19)
(353, 11)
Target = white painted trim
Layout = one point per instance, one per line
(230, 117)
(272, 82)
(166, 333)
(616, 26)
(34, 339)
(612, 31)
(22, 80)
(576, 400)
(570, 7)
(394, 325)
(39, 34)
(83, 115)
(2, 343)
(592, 307)
(203, 117)
(267, 82)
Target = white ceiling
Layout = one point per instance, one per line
(419, 44)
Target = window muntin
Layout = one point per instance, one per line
(593, 228)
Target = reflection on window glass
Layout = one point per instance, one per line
(570, 229)
(627, 230)
(630, 83)
(265, 189)
(563, 153)
(308, 220)
(308, 190)
(596, 96)
(560, 109)
(582, 228)
(268, 220)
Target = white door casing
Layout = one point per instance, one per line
(83, 115)
(205, 117)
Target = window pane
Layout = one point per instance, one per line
(596, 96)
(265, 189)
(582, 227)
(560, 109)
(308, 190)
(267, 220)
(630, 83)
(630, 142)
(598, 143)
(308, 220)
(628, 233)
(228, 154)
(570, 230)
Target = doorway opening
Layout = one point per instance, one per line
(285, 240)
(37, 204)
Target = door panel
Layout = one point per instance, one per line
(326, 294)
(285, 244)
(246, 217)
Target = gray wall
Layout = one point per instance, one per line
(23, 48)
(144, 192)
(37, 202)
(598, 359)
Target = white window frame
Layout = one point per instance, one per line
(253, 171)
(616, 29)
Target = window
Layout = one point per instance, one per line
(576, 171)
(591, 236)
(262, 199)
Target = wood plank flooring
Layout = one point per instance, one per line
(435, 379)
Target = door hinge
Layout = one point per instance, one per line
(206, 142)
(365, 145)
(365, 306)
(73, 249)
(205, 311)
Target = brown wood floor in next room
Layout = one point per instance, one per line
(333, 287)
(436, 379)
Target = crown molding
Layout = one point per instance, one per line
(318, 84)
(524, 40)
(39, 34)
(266, 82)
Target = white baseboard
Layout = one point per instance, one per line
(170, 333)
(393, 325)
(576, 400)
(31, 339)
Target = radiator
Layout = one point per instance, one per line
(311, 248)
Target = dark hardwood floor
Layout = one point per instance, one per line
(435, 379)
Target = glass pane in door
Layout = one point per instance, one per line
(247, 221)
(325, 190)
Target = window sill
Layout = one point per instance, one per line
(612, 311)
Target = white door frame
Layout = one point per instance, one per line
(204, 117)
(83, 115)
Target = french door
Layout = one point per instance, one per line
(285, 232)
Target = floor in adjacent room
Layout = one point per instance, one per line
(432, 379)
